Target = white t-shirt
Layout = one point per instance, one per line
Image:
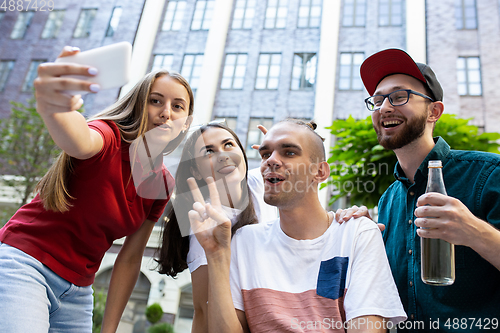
(264, 212)
(283, 284)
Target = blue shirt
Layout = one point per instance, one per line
(473, 178)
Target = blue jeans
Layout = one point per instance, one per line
(34, 299)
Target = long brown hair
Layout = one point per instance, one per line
(131, 116)
(172, 253)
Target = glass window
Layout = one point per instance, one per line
(54, 22)
(309, 14)
(244, 13)
(174, 15)
(255, 136)
(390, 12)
(354, 14)
(304, 71)
(268, 71)
(203, 15)
(162, 61)
(31, 75)
(234, 71)
(276, 14)
(191, 69)
(84, 24)
(465, 14)
(349, 77)
(5, 69)
(22, 23)
(230, 121)
(469, 76)
(2, 14)
(114, 21)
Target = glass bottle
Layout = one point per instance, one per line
(438, 256)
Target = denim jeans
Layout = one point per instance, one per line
(34, 299)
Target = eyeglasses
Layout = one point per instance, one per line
(396, 98)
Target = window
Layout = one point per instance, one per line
(230, 121)
(244, 13)
(255, 136)
(469, 76)
(5, 69)
(174, 15)
(32, 73)
(22, 23)
(276, 13)
(113, 22)
(51, 29)
(349, 71)
(304, 71)
(162, 61)
(203, 15)
(234, 71)
(354, 13)
(2, 14)
(390, 12)
(191, 69)
(84, 24)
(309, 14)
(465, 14)
(268, 71)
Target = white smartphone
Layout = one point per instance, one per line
(112, 62)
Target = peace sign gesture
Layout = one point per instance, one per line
(209, 223)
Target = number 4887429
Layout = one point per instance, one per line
(32, 5)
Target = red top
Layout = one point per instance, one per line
(106, 207)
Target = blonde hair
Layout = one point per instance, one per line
(131, 116)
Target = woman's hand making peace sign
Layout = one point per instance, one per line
(208, 221)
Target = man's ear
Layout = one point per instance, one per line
(436, 110)
(195, 173)
(323, 172)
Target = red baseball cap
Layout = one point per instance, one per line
(395, 61)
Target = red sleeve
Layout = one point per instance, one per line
(110, 136)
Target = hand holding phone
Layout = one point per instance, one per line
(111, 61)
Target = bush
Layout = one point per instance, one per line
(154, 312)
(161, 328)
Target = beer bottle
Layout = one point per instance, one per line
(438, 256)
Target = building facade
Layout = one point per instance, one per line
(257, 62)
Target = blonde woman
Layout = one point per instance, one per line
(52, 247)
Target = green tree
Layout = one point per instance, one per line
(362, 169)
(98, 311)
(26, 150)
(154, 313)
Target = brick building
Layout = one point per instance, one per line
(253, 62)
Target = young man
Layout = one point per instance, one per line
(406, 100)
(301, 272)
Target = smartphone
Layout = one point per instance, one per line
(112, 62)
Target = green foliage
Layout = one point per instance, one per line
(154, 312)
(6, 213)
(362, 169)
(98, 312)
(161, 328)
(26, 147)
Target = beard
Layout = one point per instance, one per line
(413, 129)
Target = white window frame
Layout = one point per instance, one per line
(350, 63)
(202, 17)
(268, 70)
(276, 14)
(85, 22)
(357, 15)
(469, 76)
(233, 74)
(309, 14)
(22, 24)
(174, 15)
